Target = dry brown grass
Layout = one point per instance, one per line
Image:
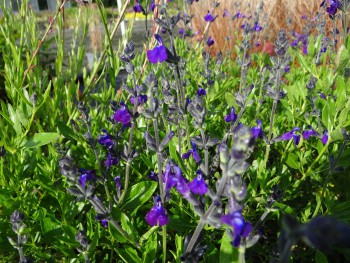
(277, 13)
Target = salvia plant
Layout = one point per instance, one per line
(168, 148)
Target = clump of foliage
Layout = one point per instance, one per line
(191, 158)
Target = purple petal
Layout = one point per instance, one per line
(308, 133)
(198, 185)
(153, 176)
(183, 188)
(158, 54)
(104, 223)
(210, 41)
(122, 115)
(209, 17)
(296, 139)
(157, 215)
(232, 117)
(247, 229)
(324, 138)
(110, 161)
(186, 155)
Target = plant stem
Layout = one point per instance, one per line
(104, 174)
(272, 120)
(211, 208)
(241, 253)
(310, 169)
(206, 155)
(331, 171)
(161, 187)
(110, 219)
(20, 249)
(131, 137)
(60, 8)
(159, 161)
(164, 242)
(109, 39)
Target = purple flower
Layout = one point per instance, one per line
(183, 188)
(332, 9)
(192, 152)
(106, 140)
(226, 13)
(209, 17)
(111, 160)
(287, 69)
(153, 176)
(198, 185)
(304, 48)
(309, 132)
(171, 175)
(241, 228)
(231, 117)
(181, 31)
(289, 135)
(210, 41)
(117, 182)
(122, 115)
(256, 27)
(86, 176)
(258, 132)
(159, 53)
(141, 99)
(138, 8)
(324, 138)
(157, 215)
(238, 15)
(322, 95)
(103, 221)
(152, 6)
(201, 92)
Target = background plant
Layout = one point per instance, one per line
(91, 192)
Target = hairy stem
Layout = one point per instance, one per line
(211, 208)
(131, 137)
(160, 178)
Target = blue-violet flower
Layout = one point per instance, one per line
(231, 117)
(198, 185)
(157, 215)
(241, 228)
(122, 115)
(192, 152)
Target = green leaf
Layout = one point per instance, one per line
(342, 58)
(230, 99)
(284, 208)
(66, 131)
(15, 120)
(49, 224)
(328, 112)
(341, 211)
(304, 63)
(311, 47)
(150, 249)
(227, 252)
(21, 117)
(320, 257)
(146, 235)
(40, 139)
(128, 254)
(138, 194)
(293, 161)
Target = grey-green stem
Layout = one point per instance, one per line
(211, 208)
